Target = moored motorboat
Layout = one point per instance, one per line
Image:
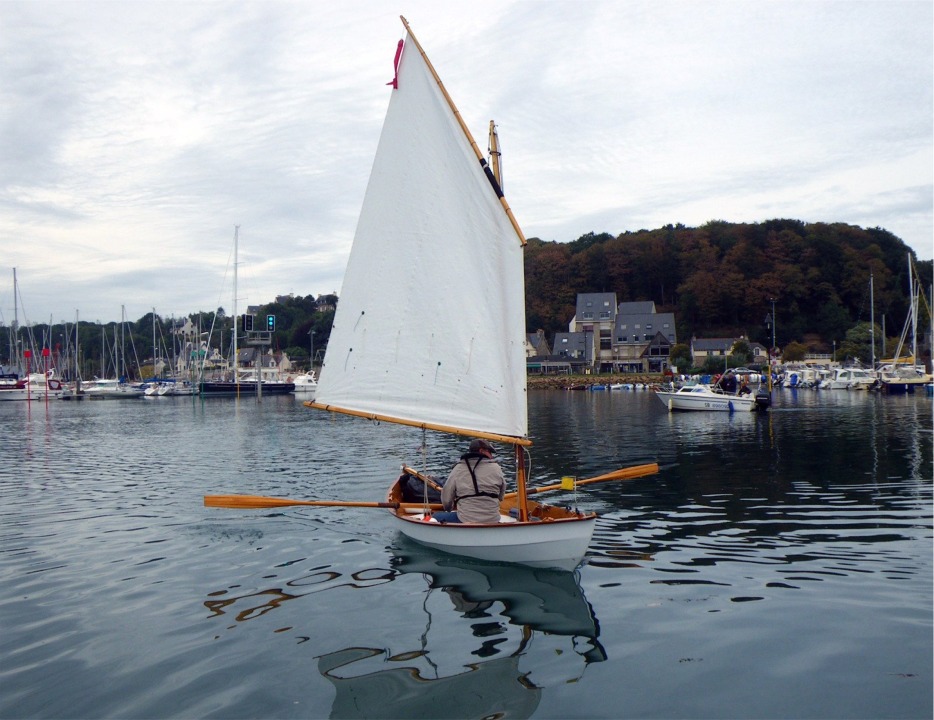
(850, 378)
(110, 389)
(12, 387)
(46, 384)
(305, 383)
(36, 386)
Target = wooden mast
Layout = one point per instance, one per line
(495, 155)
(519, 452)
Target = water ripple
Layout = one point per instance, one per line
(786, 550)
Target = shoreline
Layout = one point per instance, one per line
(564, 382)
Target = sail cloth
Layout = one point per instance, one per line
(430, 324)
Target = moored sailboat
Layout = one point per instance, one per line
(905, 373)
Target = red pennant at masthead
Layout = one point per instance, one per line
(395, 63)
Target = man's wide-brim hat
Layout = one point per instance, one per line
(478, 445)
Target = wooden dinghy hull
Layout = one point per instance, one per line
(555, 537)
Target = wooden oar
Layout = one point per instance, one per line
(256, 502)
(629, 473)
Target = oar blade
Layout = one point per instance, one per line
(624, 473)
(630, 473)
(249, 502)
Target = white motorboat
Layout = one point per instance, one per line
(705, 397)
(36, 386)
(110, 389)
(14, 388)
(850, 379)
(305, 383)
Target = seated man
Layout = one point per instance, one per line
(475, 487)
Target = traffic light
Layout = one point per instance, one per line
(271, 323)
(247, 322)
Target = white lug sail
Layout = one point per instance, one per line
(430, 323)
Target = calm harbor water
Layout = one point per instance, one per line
(779, 566)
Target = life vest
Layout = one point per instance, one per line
(476, 488)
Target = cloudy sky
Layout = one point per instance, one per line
(134, 136)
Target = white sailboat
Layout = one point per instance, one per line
(40, 382)
(430, 327)
(904, 374)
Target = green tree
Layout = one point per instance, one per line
(858, 344)
(794, 352)
(680, 357)
(714, 364)
(741, 353)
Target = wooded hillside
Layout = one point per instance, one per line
(719, 279)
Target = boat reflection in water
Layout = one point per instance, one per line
(493, 671)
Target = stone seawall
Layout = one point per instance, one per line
(564, 382)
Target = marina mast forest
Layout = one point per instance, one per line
(719, 279)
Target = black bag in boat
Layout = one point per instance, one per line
(413, 490)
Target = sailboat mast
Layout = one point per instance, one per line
(872, 324)
(77, 360)
(14, 337)
(466, 131)
(912, 295)
(122, 356)
(495, 155)
(154, 342)
(236, 355)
